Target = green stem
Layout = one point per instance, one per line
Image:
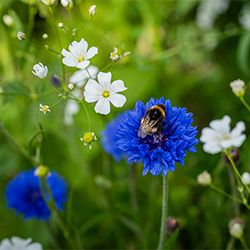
(243, 242)
(53, 86)
(245, 103)
(132, 188)
(84, 25)
(164, 213)
(110, 64)
(22, 149)
(89, 74)
(39, 46)
(224, 193)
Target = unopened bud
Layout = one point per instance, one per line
(92, 10)
(45, 36)
(60, 25)
(172, 224)
(204, 178)
(8, 20)
(42, 171)
(238, 87)
(88, 139)
(21, 35)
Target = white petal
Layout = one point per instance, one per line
(91, 52)
(239, 128)
(20, 243)
(102, 106)
(82, 47)
(79, 77)
(70, 61)
(83, 65)
(78, 93)
(93, 86)
(117, 100)
(35, 246)
(225, 144)
(212, 147)
(208, 134)
(237, 141)
(221, 126)
(65, 52)
(73, 48)
(117, 86)
(6, 245)
(104, 79)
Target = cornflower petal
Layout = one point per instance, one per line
(102, 106)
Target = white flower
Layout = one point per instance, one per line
(236, 230)
(44, 108)
(20, 244)
(40, 70)
(92, 10)
(78, 55)
(80, 77)
(67, 3)
(114, 55)
(204, 178)
(48, 2)
(219, 136)
(244, 16)
(8, 20)
(238, 87)
(118, 53)
(245, 178)
(21, 35)
(60, 25)
(45, 36)
(104, 92)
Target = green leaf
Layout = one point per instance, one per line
(171, 240)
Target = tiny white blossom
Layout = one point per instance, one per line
(45, 36)
(8, 20)
(20, 244)
(114, 55)
(118, 53)
(238, 87)
(49, 2)
(21, 35)
(219, 137)
(92, 10)
(104, 92)
(204, 178)
(245, 178)
(236, 230)
(40, 70)
(44, 108)
(60, 25)
(78, 55)
(67, 3)
(71, 86)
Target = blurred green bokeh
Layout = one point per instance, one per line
(171, 56)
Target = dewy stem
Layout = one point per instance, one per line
(164, 212)
(245, 103)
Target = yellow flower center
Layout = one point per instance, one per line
(105, 94)
(81, 59)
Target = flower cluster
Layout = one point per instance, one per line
(160, 150)
(23, 194)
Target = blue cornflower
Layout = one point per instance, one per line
(110, 137)
(23, 194)
(160, 150)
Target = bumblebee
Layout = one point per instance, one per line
(152, 120)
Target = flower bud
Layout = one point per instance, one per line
(42, 171)
(238, 87)
(204, 178)
(67, 3)
(234, 155)
(71, 86)
(245, 178)
(8, 20)
(49, 2)
(21, 35)
(172, 224)
(45, 36)
(92, 10)
(88, 139)
(236, 230)
(60, 25)
(40, 70)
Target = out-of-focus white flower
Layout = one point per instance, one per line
(40, 70)
(236, 230)
(8, 20)
(60, 25)
(44, 108)
(104, 92)
(219, 137)
(78, 55)
(21, 35)
(244, 16)
(67, 3)
(238, 87)
(71, 86)
(118, 53)
(20, 244)
(45, 36)
(208, 11)
(88, 139)
(245, 178)
(204, 178)
(80, 77)
(114, 55)
(92, 10)
(49, 2)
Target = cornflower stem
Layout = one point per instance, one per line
(13, 140)
(236, 172)
(245, 103)
(52, 205)
(132, 188)
(53, 86)
(89, 74)
(219, 190)
(243, 242)
(59, 40)
(39, 46)
(164, 213)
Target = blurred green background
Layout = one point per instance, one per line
(187, 51)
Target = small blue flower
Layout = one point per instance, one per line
(110, 137)
(158, 151)
(23, 194)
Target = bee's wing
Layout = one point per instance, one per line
(142, 133)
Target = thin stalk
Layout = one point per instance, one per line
(132, 188)
(53, 86)
(243, 242)
(43, 47)
(245, 103)
(164, 213)
(89, 74)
